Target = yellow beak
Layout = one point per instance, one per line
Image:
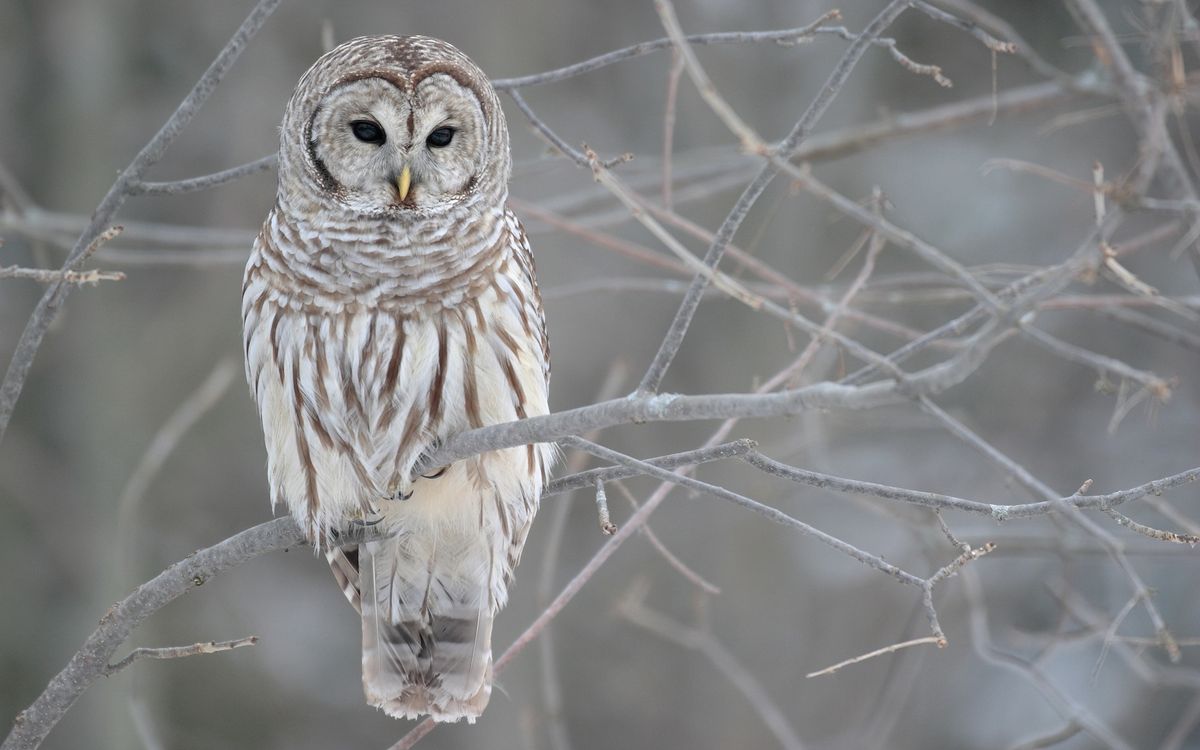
(404, 182)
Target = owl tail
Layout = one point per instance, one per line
(427, 622)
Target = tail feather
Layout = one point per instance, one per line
(343, 561)
(427, 625)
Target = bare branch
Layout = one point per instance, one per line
(178, 652)
(55, 296)
(989, 41)
(633, 607)
(670, 557)
(673, 461)
(782, 36)
(206, 182)
(877, 652)
(607, 527)
(799, 132)
(47, 276)
(949, 502)
(1150, 531)
(766, 511)
(91, 661)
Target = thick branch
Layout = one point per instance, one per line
(91, 661)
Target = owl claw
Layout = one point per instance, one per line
(425, 454)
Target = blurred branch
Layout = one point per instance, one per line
(782, 36)
(997, 512)
(194, 184)
(164, 442)
(799, 132)
(205, 246)
(700, 638)
(699, 581)
(47, 308)
(877, 652)
(1160, 388)
(1146, 109)
(971, 18)
(766, 511)
(551, 683)
(1068, 708)
(970, 27)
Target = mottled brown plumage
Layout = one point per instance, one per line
(391, 301)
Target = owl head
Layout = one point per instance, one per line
(394, 127)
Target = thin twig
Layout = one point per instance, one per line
(668, 146)
(780, 36)
(771, 514)
(205, 182)
(670, 557)
(633, 608)
(675, 460)
(1150, 531)
(877, 652)
(178, 652)
(607, 527)
(50, 276)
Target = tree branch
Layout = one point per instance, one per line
(50, 303)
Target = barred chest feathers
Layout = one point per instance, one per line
(357, 374)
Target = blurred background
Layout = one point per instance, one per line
(135, 441)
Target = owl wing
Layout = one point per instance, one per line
(533, 309)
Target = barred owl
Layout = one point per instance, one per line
(390, 302)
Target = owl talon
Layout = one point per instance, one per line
(436, 474)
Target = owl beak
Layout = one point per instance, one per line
(403, 182)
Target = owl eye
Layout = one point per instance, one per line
(440, 138)
(368, 132)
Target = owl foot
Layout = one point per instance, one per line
(393, 491)
(433, 448)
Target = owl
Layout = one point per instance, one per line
(390, 302)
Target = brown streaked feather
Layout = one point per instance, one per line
(306, 464)
(394, 362)
(368, 349)
(515, 383)
(343, 562)
(439, 376)
(470, 386)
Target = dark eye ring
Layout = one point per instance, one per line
(440, 138)
(368, 132)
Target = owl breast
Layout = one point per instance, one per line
(352, 395)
